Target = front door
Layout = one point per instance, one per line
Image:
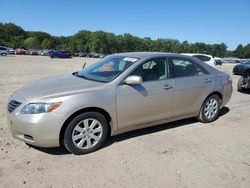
(149, 101)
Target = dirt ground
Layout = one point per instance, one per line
(180, 154)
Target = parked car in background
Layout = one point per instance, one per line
(90, 54)
(232, 60)
(20, 51)
(102, 56)
(203, 57)
(11, 51)
(3, 51)
(120, 93)
(82, 54)
(71, 53)
(218, 61)
(59, 54)
(44, 52)
(241, 68)
(31, 52)
(93, 55)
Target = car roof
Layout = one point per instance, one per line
(142, 55)
(147, 55)
(193, 54)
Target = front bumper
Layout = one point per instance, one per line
(41, 130)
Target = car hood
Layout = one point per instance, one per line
(242, 66)
(57, 86)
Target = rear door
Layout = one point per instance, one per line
(191, 85)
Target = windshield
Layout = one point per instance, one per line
(107, 69)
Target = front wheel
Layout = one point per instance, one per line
(210, 109)
(86, 133)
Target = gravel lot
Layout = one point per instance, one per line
(180, 154)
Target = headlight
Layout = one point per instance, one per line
(36, 108)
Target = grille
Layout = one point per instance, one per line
(13, 105)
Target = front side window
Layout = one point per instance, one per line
(107, 69)
(184, 67)
(152, 70)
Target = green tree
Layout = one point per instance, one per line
(107, 43)
(239, 51)
(48, 43)
(32, 43)
(11, 35)
(246, 51)
(82, 39)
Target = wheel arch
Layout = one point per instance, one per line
(88, 109)
(216, 93)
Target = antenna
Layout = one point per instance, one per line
(84, 65)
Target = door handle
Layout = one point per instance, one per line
(208, 80)
(167, 87)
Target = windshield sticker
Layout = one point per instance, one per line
(131, 59)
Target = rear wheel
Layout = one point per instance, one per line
(86, 133)
(210, 109)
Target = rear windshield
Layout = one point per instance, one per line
(202, 57)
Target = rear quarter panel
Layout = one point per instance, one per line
(222, 85)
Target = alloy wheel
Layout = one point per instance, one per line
(211, 108)
(87, 133)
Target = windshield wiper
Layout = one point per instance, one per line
(75, 73)
(80, 76)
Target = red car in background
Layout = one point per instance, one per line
(31, 52)
(19, 51)
(71, 54)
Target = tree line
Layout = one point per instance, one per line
(14, 36)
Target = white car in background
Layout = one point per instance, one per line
(11, 51)
(203, 57)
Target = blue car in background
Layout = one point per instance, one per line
(59, 54)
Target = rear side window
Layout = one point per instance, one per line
(184, 67)
(202, 57)
(200, 70)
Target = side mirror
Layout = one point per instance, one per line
(133, 80)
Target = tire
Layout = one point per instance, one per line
(86, 133)
(210, 109)
(239, 84)
(3, 54)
